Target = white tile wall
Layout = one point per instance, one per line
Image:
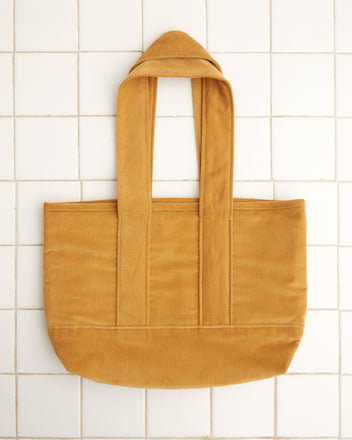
(110, 25)
(54, 140)
(303, 84)
(244, 410)
(296, 26)
(6, 84)
(290, 66)
(307, 406)
(6, 151)
(6, 25)
(46, 84)
(97, 148)
(7, 276)
(179, 413)
(29, 277)
(322, 277)
(99, 77)
(112, 411)
(345, 278)
(48, 405)
(303, 149)
(46, 25)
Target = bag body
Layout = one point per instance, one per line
(175, 292)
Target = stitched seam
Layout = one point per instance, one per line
(175, 327)
(178, 210)
(118, 274)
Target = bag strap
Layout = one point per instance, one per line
(175, 54)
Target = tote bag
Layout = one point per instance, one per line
(175, 292)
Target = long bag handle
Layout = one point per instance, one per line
(174, 54)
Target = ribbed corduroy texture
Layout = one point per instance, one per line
(175, 292)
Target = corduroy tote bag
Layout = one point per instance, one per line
(175, 292)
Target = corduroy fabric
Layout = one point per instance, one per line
(175, 292)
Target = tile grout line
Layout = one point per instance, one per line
(271, 176)
(183, 181)
(80, 185)
(338, 232)
(15, 360)
(145, 390)
(175, 438)
(244, 116)
(265, 52)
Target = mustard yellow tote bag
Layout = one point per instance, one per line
(175, 292)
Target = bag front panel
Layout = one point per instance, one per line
(268, 262)
(174, 260)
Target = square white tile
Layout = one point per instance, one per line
(46, 25)
(30, 276)
(46, 84)
(174, 97)
(175, 150)
(35, 353)
(160, 16)
(303, 84)
(318, 351)
(303, 148)
(6, 84)
(112, 411)
(99, 190)
(249, 75)
(6, 25)
(322, 277)
(346, 346)
(98, 148)
(100, 75)
(307, 406)
(297, 27)
(344, 148)
(252, 149)
(244, 410)
(346, 406)
(321, 208)
(7, 406)
(110, 25)
(345, 276)
(179, 413)
(7, 217)
(254, 190)
(343, 18)
(234, 25)
(6, 150)
(345, 211)
(7, 276)
(175, 189)
(7, 341)
(343, 85)
(48, 406)
(46, 148)
(31, 197)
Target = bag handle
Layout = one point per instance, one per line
(174, 54)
